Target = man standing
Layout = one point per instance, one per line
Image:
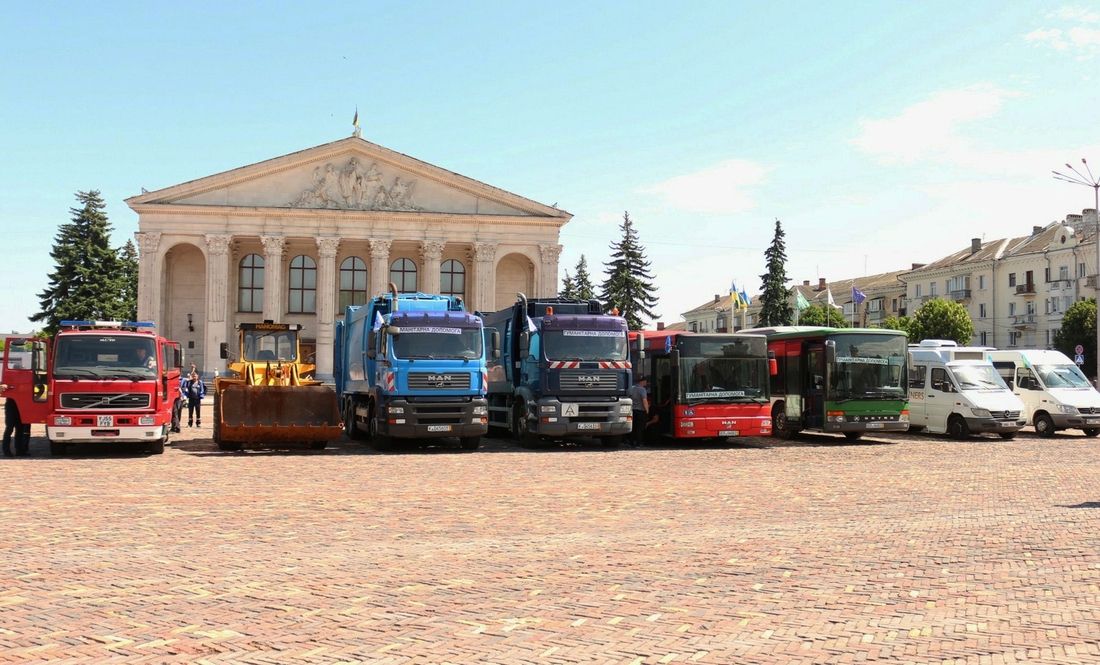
(13, 424)
(194, 393)
(640, 396)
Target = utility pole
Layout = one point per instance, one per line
(1079, 178)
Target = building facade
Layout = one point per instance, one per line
(298, 238)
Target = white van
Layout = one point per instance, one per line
(1056, 395)
(956, 390)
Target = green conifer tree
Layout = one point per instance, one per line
(583, 287)
(128, 268)
(568, 287)
(775, 299)
(87, 281)
(629, 287)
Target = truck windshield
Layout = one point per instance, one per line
(105, 357)
(1062, 376)
(585, 344)
(437, 342)
(270, 345)
(978, 377)
(869, 366)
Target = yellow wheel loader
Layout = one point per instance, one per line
(268, 399)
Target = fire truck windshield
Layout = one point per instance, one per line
(270, 345)
(437, 342)
(105, 356)
(585, 344)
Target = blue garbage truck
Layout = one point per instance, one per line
(564, 370)
(412, 366)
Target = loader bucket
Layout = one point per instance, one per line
(278, 414)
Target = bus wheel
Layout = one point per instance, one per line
(853, 435)
(1091, 431)
(1044, 425)
(779, 422)
(957, 429)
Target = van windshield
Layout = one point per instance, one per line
(978, 377)
(1062, 376)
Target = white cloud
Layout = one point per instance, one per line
(725, 188)
(1074, 34)
(1053, 37)
(1071, 13)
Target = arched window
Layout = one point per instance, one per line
(353, 283)
(303, 285)
(452, 279)
(250, 291)
(403, 274)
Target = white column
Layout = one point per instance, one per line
(379, 266)
(431, 251)
(485, 254)
(217, 301)
(274, 246)
(148, 282)
(326, 305)
(548, 274)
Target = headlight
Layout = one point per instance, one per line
(481, 410)
(548, 408)
(1067, 408)
(396, 409)
(146, 420)
(835, 416)
(62, 421)
(687, 423)
(904, 417)
(625, 408)
(981, 413)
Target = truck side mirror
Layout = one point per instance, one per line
(494, 339)
(524, 342)
(223, 349)
(38, 357)
(371, 340)
(830, 351)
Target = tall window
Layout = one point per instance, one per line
(303, 285)
(452, 278)
(250, 291)
(403, 274)
(353, 283)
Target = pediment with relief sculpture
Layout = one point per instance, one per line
(351, 175)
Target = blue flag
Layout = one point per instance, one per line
(668, 343)
(745, 298)
(857, 296)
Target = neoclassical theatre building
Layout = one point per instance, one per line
(298, 238)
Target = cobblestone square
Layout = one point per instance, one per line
(908, 549)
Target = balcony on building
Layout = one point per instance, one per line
(1090, 281)
(960, 295)
(1023, 320)
(1027, 289)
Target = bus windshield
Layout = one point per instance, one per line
(436, 342)
(723, 369)
(105, 357)
(869, 366)
(1062, 376)
(270, 345)
(585, 344)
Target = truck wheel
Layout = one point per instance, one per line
(957, 429)
(380, 442)
(780, 426)
(470, 442)
(521, 427)
(351, 424)
(57, 448)
(157, 447)
(613, 441)
(1091, 431)
(1044, 425)
(852, 436)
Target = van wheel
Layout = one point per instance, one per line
(1008, 436)
(916, 428)
(1091, 431)
(779, 422)
(852, 436)
(957, 429)
(1044, 425)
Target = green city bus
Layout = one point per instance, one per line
(840, 380)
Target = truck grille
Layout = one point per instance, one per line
(439, 380)
(439, 414)
(104, 400)
(581, 380)
(596, 413)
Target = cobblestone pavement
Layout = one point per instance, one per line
(907, 549)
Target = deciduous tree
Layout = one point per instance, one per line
(1079, 327)
(941, 319)
(815, 315)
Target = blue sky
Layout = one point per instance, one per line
(880, 134)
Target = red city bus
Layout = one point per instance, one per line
(705, 386)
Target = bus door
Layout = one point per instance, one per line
(29, 385)
(660, 396)
(814, 415)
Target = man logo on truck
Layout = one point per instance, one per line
(440, 380)
(589, 381)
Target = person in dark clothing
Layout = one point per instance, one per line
(194, 391)
(640, 398)
(13, 424)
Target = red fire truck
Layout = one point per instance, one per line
(709, 386)
(102, 381)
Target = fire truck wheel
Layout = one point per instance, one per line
(317, 445)
(470, 442)
(157, 447)
(57, 448)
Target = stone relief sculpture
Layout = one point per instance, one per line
(351, 188)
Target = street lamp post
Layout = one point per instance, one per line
(1079, 178)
